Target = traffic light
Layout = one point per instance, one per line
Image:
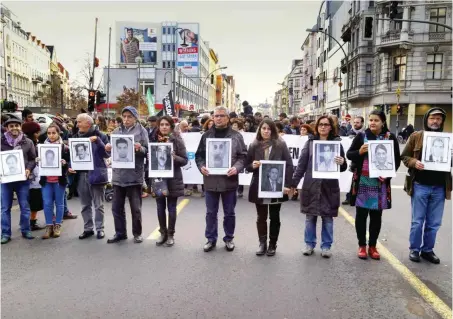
(100, 98)
(387, 108)
(369, 27)
(399, 109)
(212, 78)
(311, 80)
(393, 12)
(91, 100)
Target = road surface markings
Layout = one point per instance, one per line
(155, 234)
(430, 297)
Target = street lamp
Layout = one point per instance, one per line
(207, 77)
(165, 78)
(138, 60)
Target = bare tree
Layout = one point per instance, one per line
(86, 72)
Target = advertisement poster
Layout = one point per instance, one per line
(187, 40)
(138, 42)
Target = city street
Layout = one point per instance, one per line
(70, 278)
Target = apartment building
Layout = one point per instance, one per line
(295, 86)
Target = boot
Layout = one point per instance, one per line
(362, 252)
(34, 225)
(56, 231)
(162, 239)
(272, 248)
(263, 246)
(48, 233)
(170, 241)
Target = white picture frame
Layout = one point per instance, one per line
(268, 171)
(437, 144)
(381, 159)
(49, 159)
(218, 155)
(81, 152)
(160, 163)
(324, 153)
(12, 166)
(123, 151)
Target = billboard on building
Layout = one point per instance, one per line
(120, 79)
(188, 48)
(137, 42)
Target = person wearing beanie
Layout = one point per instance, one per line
(32, 130)
(428, 189)
(128, 182)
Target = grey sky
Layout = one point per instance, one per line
(256, 40)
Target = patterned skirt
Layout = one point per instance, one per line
(372, 193)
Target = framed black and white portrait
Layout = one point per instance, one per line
(218, 155)
(123, 154)
(271, 179)
(324, 153)
(437, 151)
(81, 154)
(49, 159)
(381, 159)
(160, 160)
(12, 166)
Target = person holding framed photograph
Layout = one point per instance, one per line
(268, 146)
(54, 187)
(319, 197)
(91, 184)
(428, 189)
(129, 182)
(165, 133)
(224, 186)
(15, 139)
(370, 195)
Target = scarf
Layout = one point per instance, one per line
(357, 132)
(87, 134)
(163, 139)
(266, 145)
(59, 141)
(13, 141)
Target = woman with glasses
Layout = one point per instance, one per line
(319, 197)
(267, 146)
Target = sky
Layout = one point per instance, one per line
(256, 40)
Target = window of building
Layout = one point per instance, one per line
(164, 30)
(434, 66)
(163, 64)
(371, 4)
(168, 47)
(399, 68)
(174, 30)
(352, 41)
(378, 71)
(297, 83)
(438, 15)
(174, 47)
(164, 47)
(325, 56)
(173, 64)
(169, 30)
(368, 75)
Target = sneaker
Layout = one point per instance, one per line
(5, 240)
(308, 251)
(28, 235)
(48, 233)
(56, 231)
(229, 245)
(345, 202)
(187, 192)
(326, 253)
(69, 215)
(138, 239)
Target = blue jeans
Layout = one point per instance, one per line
(22, 191)
(428, 209)
(53, 194)
(229, 218)
(326, 231)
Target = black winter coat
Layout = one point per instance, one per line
(319, 197)
(279, 152)
(62, 180)
(175, 184)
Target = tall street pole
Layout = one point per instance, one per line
(108, 72)
(94, 53)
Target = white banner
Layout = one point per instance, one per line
(295, 143)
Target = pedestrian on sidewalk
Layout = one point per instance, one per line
(321, 197)
(238, 125)
(224, 186)
(32, 130)
(91, 184)
(15, 139)
(54, 187)
(428, 191)
(128, 182)
(165, 133)
(370, 195)
(268, 146)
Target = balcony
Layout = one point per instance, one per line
(37, 79)
(394, 39)
(358, 92)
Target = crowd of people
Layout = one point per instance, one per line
(318, 197)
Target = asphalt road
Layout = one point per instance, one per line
(70, 278)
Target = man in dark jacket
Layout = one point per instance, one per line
(428, 190)
(248, 110)
(14, 139)
(91, 184)
(129, 182)
(224, 186)
(294, 127)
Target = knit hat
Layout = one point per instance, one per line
(59, 121)
(131, 109)
(30, 128)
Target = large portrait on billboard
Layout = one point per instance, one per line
(139, 42)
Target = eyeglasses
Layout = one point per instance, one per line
(220, 115)
(324, 125)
